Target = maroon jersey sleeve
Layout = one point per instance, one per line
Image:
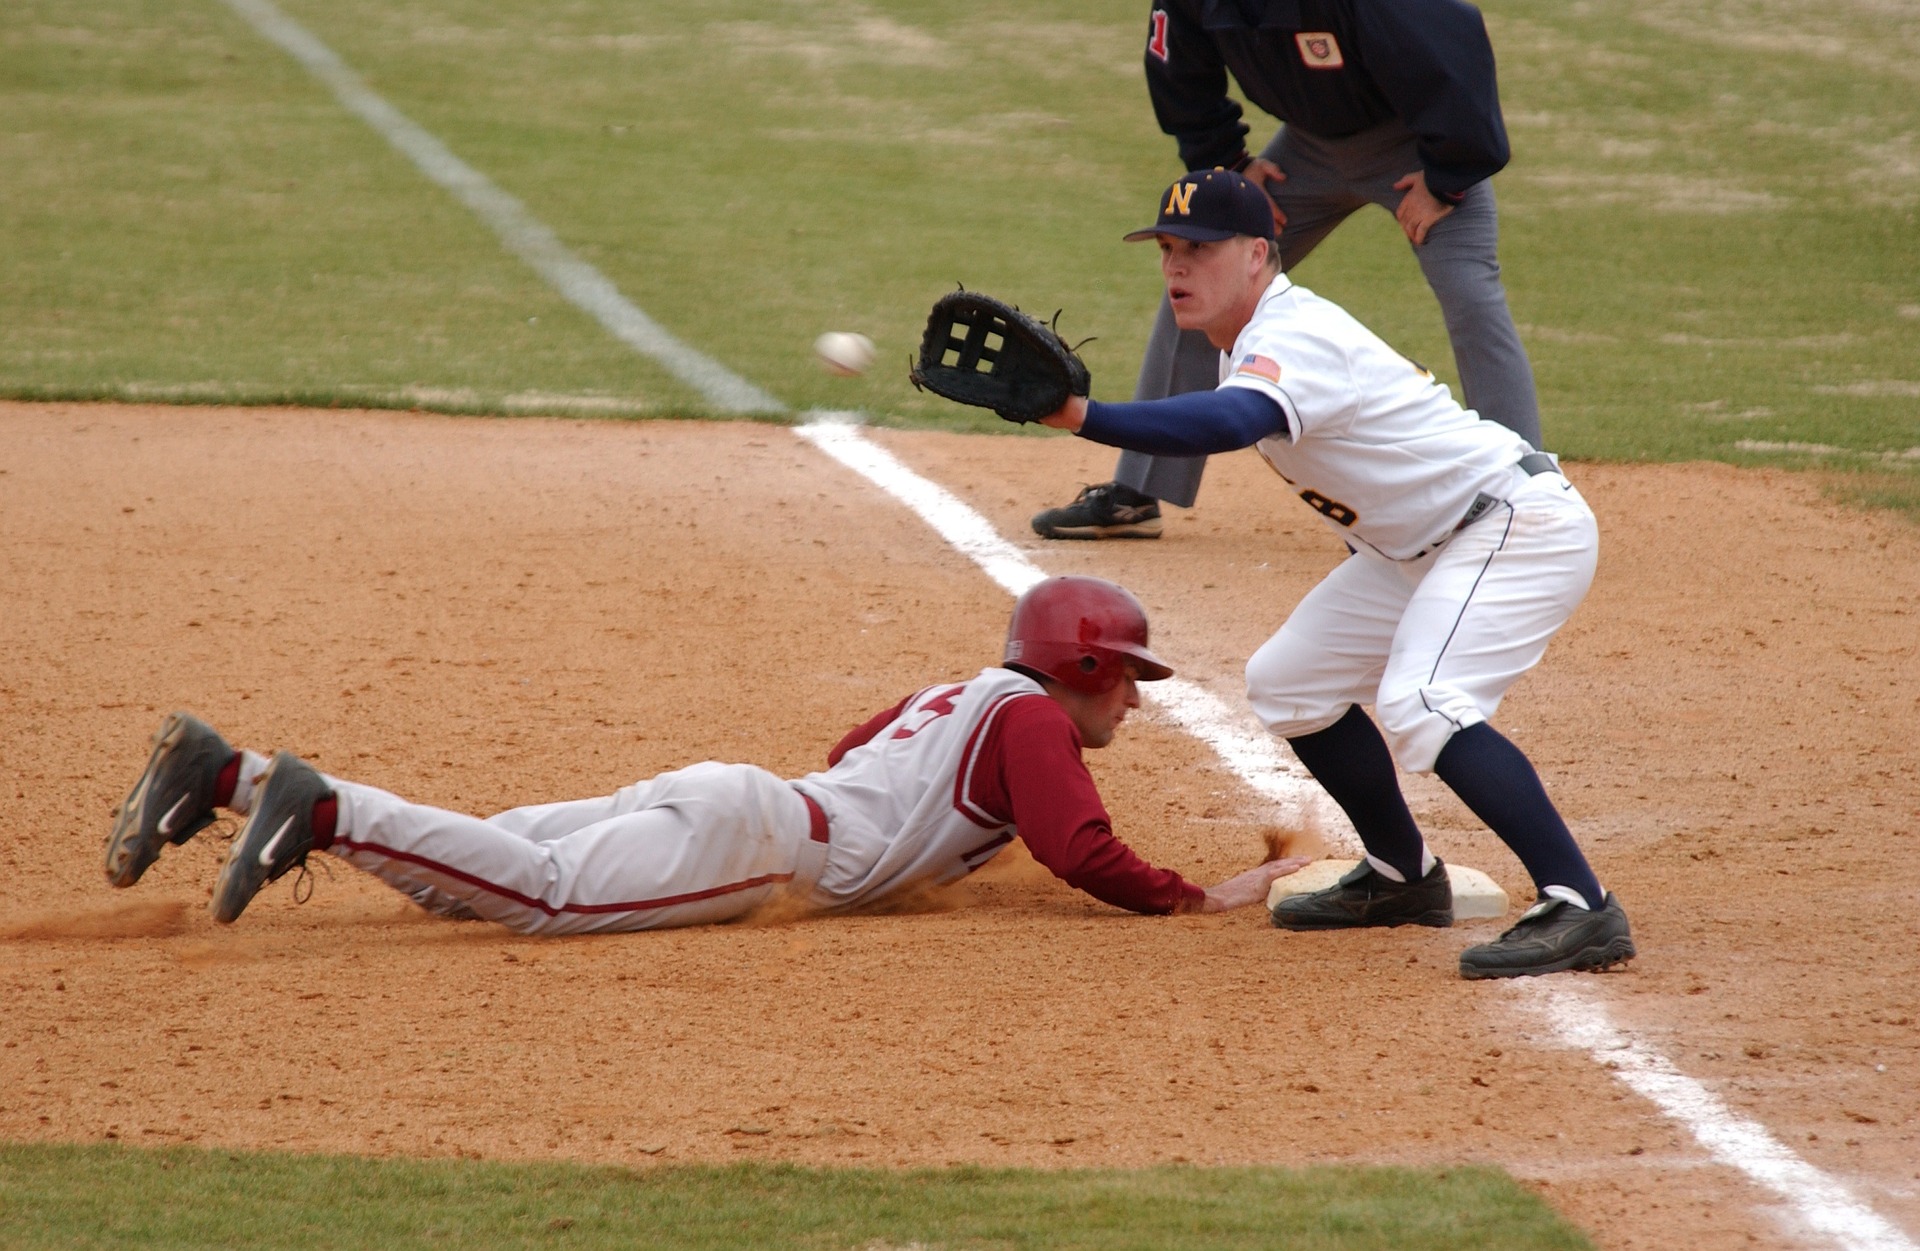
(865, 730)
(1029, 771)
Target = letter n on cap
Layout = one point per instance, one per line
(1180, 198)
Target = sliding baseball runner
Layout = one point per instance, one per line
(923, 793)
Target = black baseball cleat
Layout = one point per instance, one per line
(277, 836)
(1106, 511)
(1551, 937)
(172, 801)
(1365, 896)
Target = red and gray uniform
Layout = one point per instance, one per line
(922, 794)
(934, 787)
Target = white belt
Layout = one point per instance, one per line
(811, 860)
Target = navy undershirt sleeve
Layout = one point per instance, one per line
(1198, 423)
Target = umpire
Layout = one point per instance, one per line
(1389, 102)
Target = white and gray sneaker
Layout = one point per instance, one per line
(277, 836)
(173, 799)
(1107, 511)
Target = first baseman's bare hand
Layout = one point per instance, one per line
(1070, 416)
(1419, 208)
(1262, 172)
(1250, 887)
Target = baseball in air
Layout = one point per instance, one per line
(844, 354)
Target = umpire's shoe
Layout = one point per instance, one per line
(1366, 896)
(1551, 937)
(1106, 511)
(277, 836)
(172, 801)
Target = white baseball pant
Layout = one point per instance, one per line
(695, 846)
(1433, 644)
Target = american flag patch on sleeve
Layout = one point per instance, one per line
(1259, 367)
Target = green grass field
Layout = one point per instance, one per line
(105, 1196)
(1709, 226)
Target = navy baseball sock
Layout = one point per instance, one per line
(1494, 778)
(1351, 760)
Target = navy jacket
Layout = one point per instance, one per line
(1332, 68)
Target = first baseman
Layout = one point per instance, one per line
(1468, 550)
(922, 793)
(1388, 102)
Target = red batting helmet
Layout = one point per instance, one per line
(1081, 632)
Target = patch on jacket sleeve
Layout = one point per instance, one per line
(1319, 49)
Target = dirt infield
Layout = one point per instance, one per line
(482, 613)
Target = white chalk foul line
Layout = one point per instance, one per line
(523, 234)
(1824, 1206)
(1251, 754)
(952, 518)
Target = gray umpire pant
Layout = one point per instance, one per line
(1327, 180)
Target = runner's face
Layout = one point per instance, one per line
(1098, 717)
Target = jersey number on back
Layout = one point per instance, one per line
(939, 706)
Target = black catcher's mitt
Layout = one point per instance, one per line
(980, 351)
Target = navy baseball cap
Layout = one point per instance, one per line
(1210, 205)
